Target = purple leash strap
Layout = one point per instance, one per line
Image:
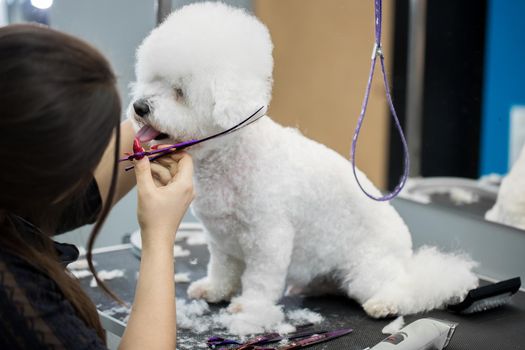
(378, 52)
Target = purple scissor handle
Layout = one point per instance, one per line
(214, 342)
(259, 343)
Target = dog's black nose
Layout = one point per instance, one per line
(141, 107)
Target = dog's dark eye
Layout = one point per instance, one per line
(178, 93)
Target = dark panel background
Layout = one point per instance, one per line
(455, 42)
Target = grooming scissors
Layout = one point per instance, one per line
(155, 154)
(299, 339)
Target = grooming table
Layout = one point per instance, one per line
(501, 328)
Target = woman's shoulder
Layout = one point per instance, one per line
(34, 313)
(17, 274)
(22, 287)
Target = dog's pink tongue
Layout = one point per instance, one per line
(147, 133)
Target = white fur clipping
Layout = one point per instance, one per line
(80, 264)
(490, 180)
(301, 316)
(422, 198)
(117, 310)
(196, 316)
(183, 277)
(190, 315)
(178, 251)
(81, 251)
(394, 326)
(460, 196)
(105, 275)
(197, 238)
(80, 273)
(510, 205)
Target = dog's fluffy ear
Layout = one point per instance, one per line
(236, 99)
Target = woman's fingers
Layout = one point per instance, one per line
(161, 174)
(170, 157)
(157, 182)
(166, 161)
(178, 155)
(143, 174)
(184, 168)
(178, 166)
(169, 164)
(163, 160)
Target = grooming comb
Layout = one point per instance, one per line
(487, 297)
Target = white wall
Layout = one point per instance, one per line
(116, 28)
(3, 13)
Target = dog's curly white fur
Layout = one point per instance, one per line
(279, 208)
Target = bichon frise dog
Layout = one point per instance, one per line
(279, 208)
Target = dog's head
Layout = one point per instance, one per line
(206, 68)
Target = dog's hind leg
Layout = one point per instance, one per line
(372, 284)
(223, 279)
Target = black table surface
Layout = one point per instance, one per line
(500, 328)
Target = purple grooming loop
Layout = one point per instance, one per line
(378, 52)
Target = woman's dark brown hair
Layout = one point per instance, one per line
(59, 109)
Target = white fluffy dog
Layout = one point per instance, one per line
(510, 206)
(279, 209)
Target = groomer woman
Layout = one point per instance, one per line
(60, 137)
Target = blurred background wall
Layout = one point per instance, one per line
(322, 58)
(503, 127)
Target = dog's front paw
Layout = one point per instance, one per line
(378, 308)
(212, 293)
(251, 316)
(235, 307)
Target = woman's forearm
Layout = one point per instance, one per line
(152, 323)
(126, 179)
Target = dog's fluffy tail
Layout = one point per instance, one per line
(431, 280)
(436, 279)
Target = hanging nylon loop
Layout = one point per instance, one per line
(378, 52)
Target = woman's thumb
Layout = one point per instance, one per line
(143, 174)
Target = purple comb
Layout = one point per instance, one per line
(180, 146)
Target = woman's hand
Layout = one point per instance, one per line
(165, 191)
